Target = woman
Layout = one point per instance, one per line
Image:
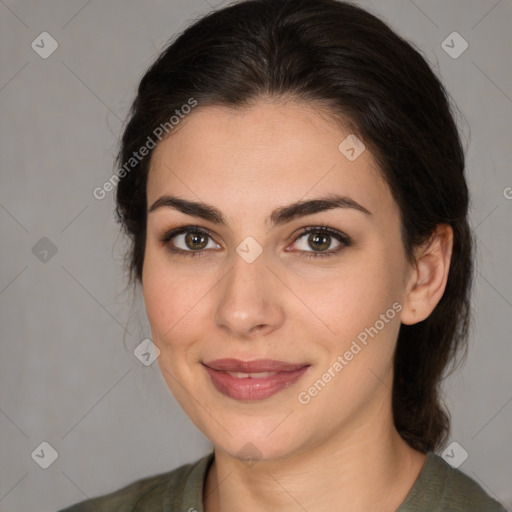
(292, 181)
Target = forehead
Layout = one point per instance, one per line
(253, 159)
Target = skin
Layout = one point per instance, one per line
(341, 451)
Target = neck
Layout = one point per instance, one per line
(370, 468)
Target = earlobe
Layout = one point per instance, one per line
(428, 280)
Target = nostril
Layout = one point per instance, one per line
(259, 327)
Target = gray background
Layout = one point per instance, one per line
(69, 327)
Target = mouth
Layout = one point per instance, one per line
(253, 380)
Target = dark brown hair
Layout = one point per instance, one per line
(336, 54)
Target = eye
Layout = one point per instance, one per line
(193, 240)
(319, 239)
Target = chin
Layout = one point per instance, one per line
(256, 439)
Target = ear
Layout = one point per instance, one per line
(427, 280)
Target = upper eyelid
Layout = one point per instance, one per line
(168, 235)
(340, 236)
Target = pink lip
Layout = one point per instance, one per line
(250, 388)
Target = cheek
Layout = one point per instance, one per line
(351, 305)
(159, 303)
(176, 302)
(349, 300)
(167, 295)
(361, 310)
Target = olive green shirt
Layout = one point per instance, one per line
(438, 488)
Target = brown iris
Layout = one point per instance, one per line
(320, 241)
(193, 239)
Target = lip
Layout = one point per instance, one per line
(253, 380)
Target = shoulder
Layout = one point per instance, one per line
(147, 494)
(450, 489)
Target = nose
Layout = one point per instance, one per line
(249, 300)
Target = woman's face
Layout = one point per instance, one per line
(316, 313)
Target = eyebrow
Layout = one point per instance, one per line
(280, 215)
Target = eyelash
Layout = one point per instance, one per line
(344, 240)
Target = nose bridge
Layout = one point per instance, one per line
(246, 301)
